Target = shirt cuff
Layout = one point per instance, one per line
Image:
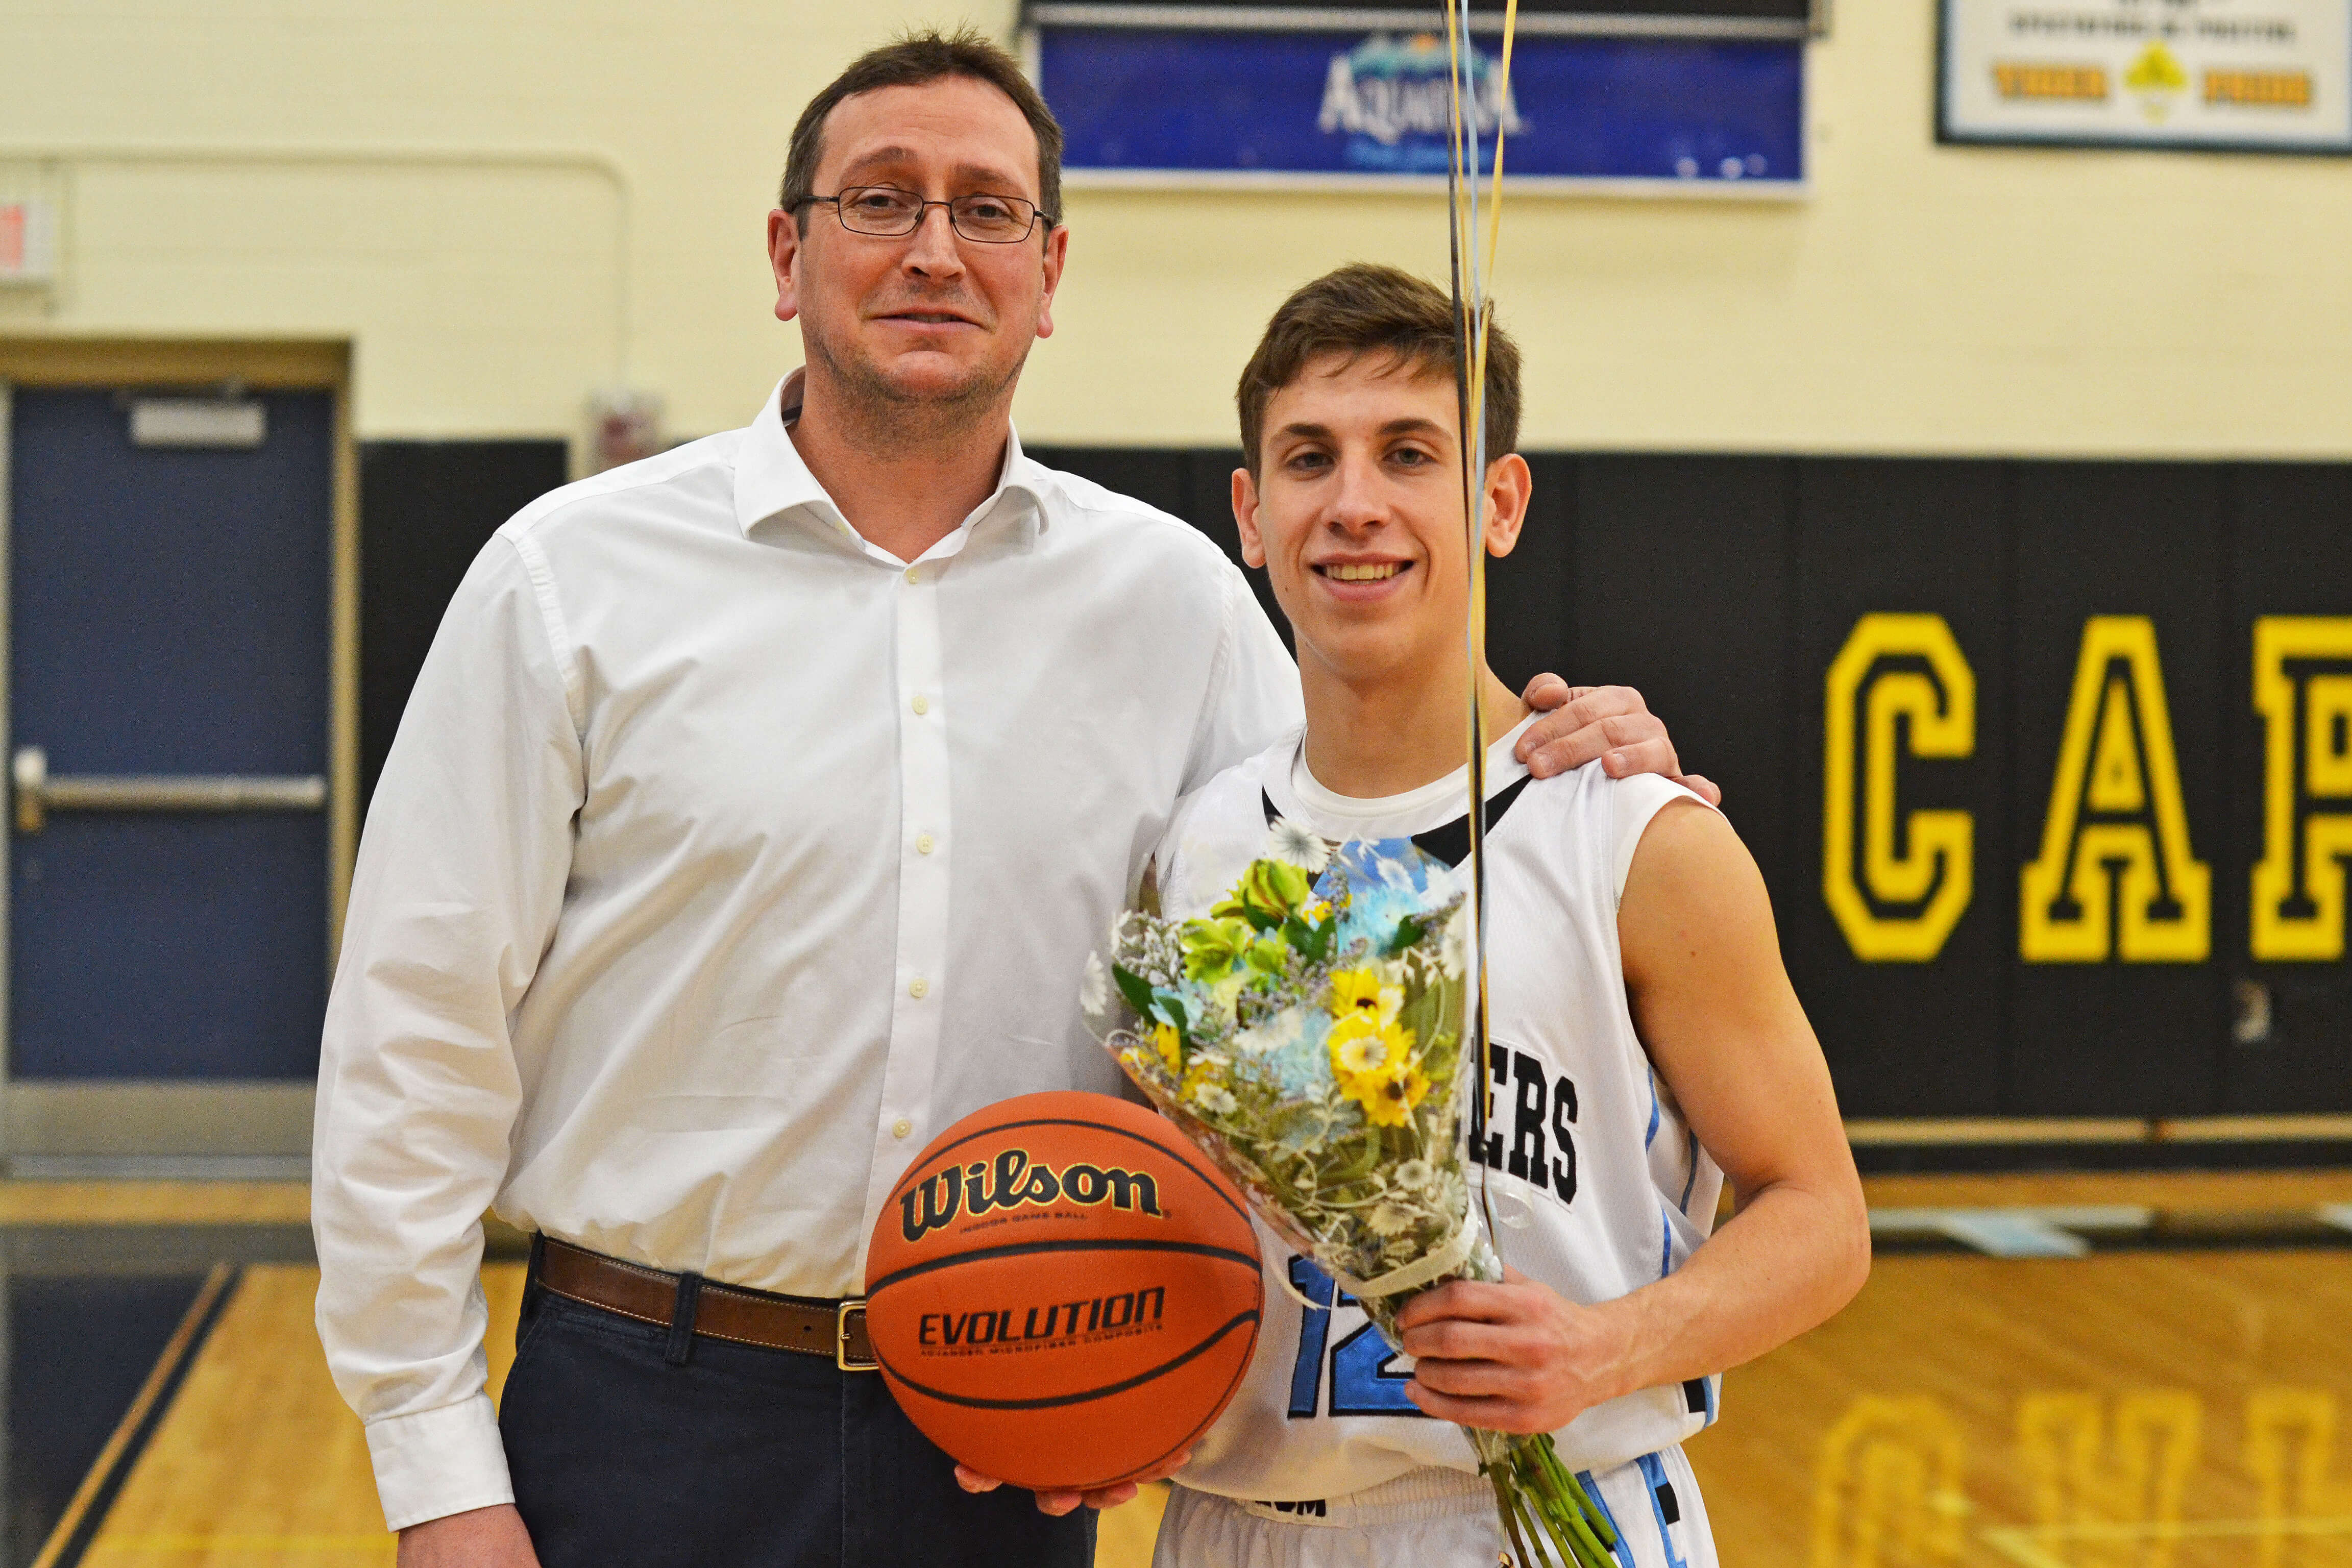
(439, 1462)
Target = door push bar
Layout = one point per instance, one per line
(38, 794)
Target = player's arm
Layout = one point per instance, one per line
(1725, 1031)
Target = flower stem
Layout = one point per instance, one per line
(1540, 1499)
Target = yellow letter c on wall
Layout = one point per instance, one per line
(1899, 898)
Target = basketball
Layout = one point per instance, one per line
(1062, 1292)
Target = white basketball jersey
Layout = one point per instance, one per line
(1596, 1185)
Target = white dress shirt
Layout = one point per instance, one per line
(722, 859)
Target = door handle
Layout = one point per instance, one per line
(39, 793)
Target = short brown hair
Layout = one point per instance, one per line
(1363, 309)
(911, 61)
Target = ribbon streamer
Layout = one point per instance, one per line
(1471, 265)
(1429, 1265)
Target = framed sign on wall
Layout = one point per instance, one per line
(2220, 75)
(1677, 96)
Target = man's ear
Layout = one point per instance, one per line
(1058, 251)
(783, 250)
(1245, 518)
(1510, 487)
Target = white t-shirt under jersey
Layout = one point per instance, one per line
(1582, 1145)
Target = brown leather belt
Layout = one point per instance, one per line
(835, 1329)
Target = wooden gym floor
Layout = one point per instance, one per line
(2170, 1398)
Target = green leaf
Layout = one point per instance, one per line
(1409, 932)
(1211, 947)
(1174, 1012)
(1134, 987)
(1267, 958)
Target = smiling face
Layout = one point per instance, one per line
(1355, 514)
(929, 320)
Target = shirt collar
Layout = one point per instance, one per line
(771, 480)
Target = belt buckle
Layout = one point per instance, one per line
(840, 1320)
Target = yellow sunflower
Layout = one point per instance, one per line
(1358, 993)
(1205, 1070)
(1357, 1047)
(1353, 991)
(1171, 1049)
(1389, 1095)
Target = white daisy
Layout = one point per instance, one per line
(1413, 1175)
(1388, 1219)
(1298, 844)
(1455, 950)
(1215, 1099)
(1094, 989)
(1449, 1195)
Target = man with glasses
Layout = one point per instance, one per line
(751, 821)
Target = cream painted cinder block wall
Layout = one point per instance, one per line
(510, 206)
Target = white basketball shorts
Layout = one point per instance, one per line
(1431, 1519)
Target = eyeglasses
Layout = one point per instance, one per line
(889, 212)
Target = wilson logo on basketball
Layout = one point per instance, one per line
(977, 1188)
(1060, 1319)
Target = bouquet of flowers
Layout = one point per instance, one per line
(1307, 1034)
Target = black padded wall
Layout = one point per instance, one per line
(1904, 1038)
(427, 508)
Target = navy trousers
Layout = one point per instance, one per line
(634, 1447)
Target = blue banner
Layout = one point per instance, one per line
(1321, 104)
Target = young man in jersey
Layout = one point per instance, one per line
(1645, 1040)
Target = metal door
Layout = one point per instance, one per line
(169, 713)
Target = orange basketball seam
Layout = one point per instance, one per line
(1193, 1437)
(1075, 1244)
(1084, 1396)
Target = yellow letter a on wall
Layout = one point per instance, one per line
(2115, 879)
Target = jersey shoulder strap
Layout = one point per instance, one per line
(1449, 842)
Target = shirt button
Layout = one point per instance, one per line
(918, 988)
(922, 704)
(912, 576)
(901, 1127)
(925, 844)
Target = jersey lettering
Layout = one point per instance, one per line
(1563, 1112)
(2115, 877)
(1896, 881)
(1365, 1378)
(1486, 1147)
(1314, 1333)
(2302, 689)
(1540, 1103)
(1527, 1120)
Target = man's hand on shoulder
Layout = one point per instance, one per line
(1611, 722)
(1513, 1357)
(479, 1538)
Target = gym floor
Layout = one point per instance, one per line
(2066, 1371)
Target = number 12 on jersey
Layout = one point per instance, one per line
(1365, 1380)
